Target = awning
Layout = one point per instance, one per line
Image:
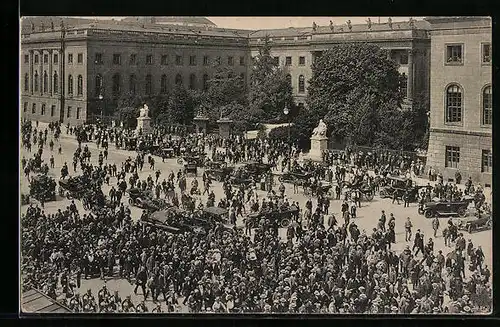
(34, 301)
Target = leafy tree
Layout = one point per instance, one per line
(223, 89)
(128, 116)
(270, 89)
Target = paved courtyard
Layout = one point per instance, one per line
(367, 218)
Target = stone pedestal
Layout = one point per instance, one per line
(144, 125)
(201, 124)
(224, 127)
(318, 145)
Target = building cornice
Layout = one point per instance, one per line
(460, 132)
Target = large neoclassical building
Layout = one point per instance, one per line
(72, 69)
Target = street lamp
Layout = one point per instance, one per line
(286, 111)
(100, 104)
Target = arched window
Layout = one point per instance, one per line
(163, 84)
(454, 104)
(56, 83)
(403, 85)
(205, 82)
(192, 81)
(26, 82)
(302, 84)
(70, 84)
(178, 79)
(36, 81)
(149, 84)
(487, 106)
(80, 85)
(132, 83)
(116, 84)
(99, 86)
(45, 82)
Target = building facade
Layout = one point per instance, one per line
(69, 73)
(461, 98)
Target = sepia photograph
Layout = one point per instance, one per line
(255, 165)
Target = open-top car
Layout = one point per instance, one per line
(284, 215)
(218, 170)
(43, 187)
(475, 224)
(395, 184)
(446, 208)
(145, 200)
(197, 159)
(298, 176)
(256, 169)
(73, 187)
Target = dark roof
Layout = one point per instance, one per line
(34, 301)
(171, 20)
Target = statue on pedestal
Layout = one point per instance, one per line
(320, 130)
(144, 112)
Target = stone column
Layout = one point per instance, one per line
(32, 72)
(50, 72)
(409, 86)
(40, 74)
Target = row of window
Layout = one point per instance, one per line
(55, 84)
(455, 54)
(302, 82)
(454, 105)
(43, 112)
(452, 159)
(288, 61)
(36, 58)
(148, 83)
(164, 60)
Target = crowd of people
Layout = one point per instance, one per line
(323, 265)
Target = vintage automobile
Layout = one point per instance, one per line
(298, 176)
(284, 216)
(476, 224)
(130, 143)
(191, 168)
(165, 220)
(145, 200)
(256, 169)
(73, 187)
(218, 170)
(394, 184)
(194, 158)
(166, 152)
(446, 208)
(43, 187)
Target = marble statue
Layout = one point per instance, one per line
(144, 112)
(320, 130)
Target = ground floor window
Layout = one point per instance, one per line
(33, 109)
(68, 113)
(486, 161)
(452, 156)
(43, 110)
(25, 108)
(78, 113)
(52, 110)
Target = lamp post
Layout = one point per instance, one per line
(286, 112)
(100, 104)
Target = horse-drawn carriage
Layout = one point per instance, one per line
(299, 177)
(43, 187)
(256, 169)
(283, 215)
(319, 188)
(130, 143)
(364, 189)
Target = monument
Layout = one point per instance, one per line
(201, 122)
(319, 142)
(143, 121)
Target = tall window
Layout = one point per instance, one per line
(453, 104)
(149, 59)
(206, 61)
(68, 112)
(452, 156)
(164, 60)
(132, 83)
(302, 84)
(36, 81)
(52, 110)
(70, 58)
(45, 82)
(205, 82)
(56, 58)
(79, 85)
(242, 61)
(178, 60)
(79, 58)
(454, 54)
(486, 161)
(98, 59)
(26, 82)
(192, 60)
(117, 59)
(133, 59)
(26, 59)
(486, 53)
(42, 112)
(230, 61)
(33, 108)
(70, 84)
(302, 61)
(56, 83)
(178, 79)
(116, 84)
(36, 59)
(25, 107)
(149, 84)
(192, 81)
(99, 87)
(45, 58)
(487, 106)
(163, 84)
(288, 61)
(78, 112)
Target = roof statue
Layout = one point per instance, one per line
(32, 27)
(369, 22)
(314, 26)
(389, 21)
(52, 25)
(411, 22)
(320, 130)
(42, 26)
(332, 28)
(349, 25)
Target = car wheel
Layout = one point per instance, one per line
(179, 161)
(285, 222)
(280, 179)
(428, 214)
(130, 201)
(462, 212)
(420, 211)
(369, 195)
